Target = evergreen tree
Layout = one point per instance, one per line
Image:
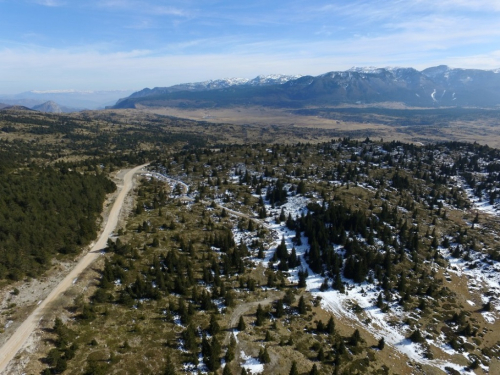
(264, 355)
(212, 360)
(355, 339)
(241, 324)
(314, 370)
(330, 326)
(214, 327)
(381, 344)
(230, 353)
(321, 355)
(268, 336)
(260, 316)
(280, 310)
(302, 306)
(169, 368)
(293, 369)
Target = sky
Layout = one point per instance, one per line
(131, 44)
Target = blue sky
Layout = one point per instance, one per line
(130, 44)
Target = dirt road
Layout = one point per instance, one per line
(20, 336)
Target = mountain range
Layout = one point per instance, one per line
(432, 87)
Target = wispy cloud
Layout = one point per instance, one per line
(143, 7)
(50, 3)
(447, 5)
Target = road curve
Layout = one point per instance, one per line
(22, 333)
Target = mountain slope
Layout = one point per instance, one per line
(437, 86)
(49, 107)
(261, 80)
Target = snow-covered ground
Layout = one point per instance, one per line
(479, 204)
(482, 274)
(251, 364)
(387, 325)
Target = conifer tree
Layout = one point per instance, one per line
(241, 324)
(314, 370)
(264, 355)
(214, 327)
(230, 354)
(330, 326)
(260, 316)
(302, 306)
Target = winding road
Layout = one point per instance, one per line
(9, 350)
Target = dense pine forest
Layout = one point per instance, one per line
(45, 211)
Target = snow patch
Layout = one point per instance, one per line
(251, 364)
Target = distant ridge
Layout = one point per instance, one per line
(16, 108)
(68, 100)
(435, 87)
(49, 107)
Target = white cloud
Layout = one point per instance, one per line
(93, 68)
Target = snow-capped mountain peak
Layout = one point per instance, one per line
(365, 69)
(272, 79)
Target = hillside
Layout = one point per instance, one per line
(432, 87)
(347, 256)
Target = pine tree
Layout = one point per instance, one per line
(381, 344)
(214, 327)
(416, 336)
(241, 324)
(230, 350)
(280, 310)
(302, 306)
(169, 368)
(321, 355)
(268, 336)
(261, 254)
(264, 355)
(314, 370)
(212, 360)
(260, 316)
(355, 338)
(293, 369)
(330, 326)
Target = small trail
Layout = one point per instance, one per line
(15, 343)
